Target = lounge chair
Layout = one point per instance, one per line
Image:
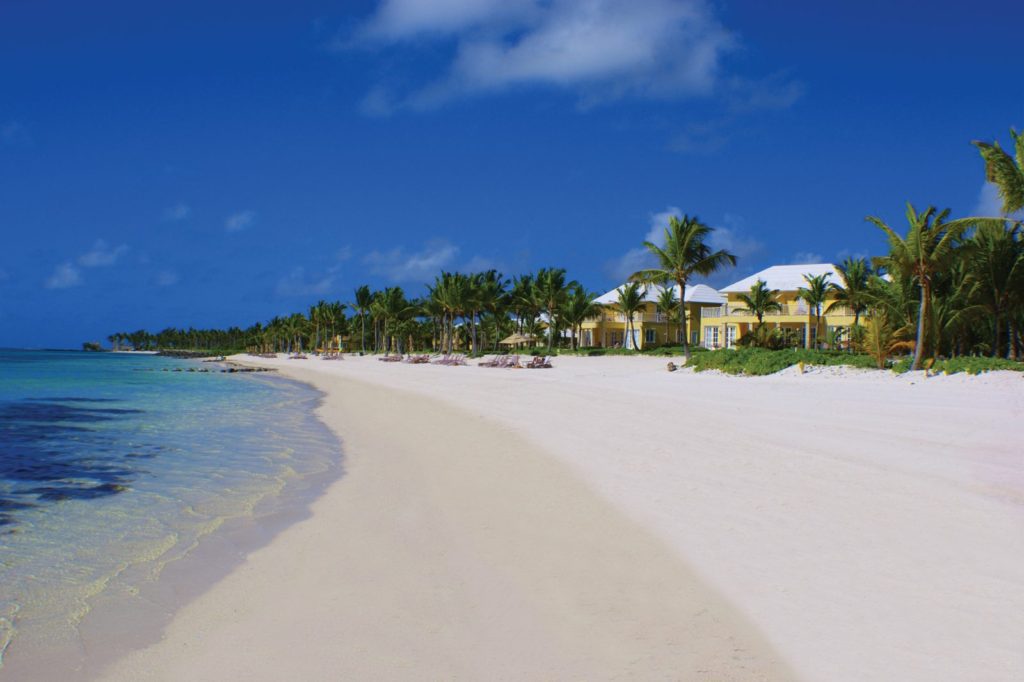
(539, 363)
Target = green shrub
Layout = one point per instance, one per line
(969, 364)
(759, 362)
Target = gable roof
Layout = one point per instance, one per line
(695, 293)
(784, 277)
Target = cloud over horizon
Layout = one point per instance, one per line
(397, 265)
(602, 50)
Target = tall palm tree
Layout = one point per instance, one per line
(523, 300)
(814, 294)
(579, 306)
(552, 290)
(760, 301)
(1005, 171)
(492, 299)
(631, 301)
(685, 253)
(852, 293)
(926, 251)
(362, 307)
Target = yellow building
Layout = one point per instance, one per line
(722, 326)
(650, 327)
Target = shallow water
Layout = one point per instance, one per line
(117, 472)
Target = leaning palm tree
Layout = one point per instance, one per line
(631, 300)
(760, 301)
(684, 254)
(926, 251)
(1006, 172)
(814, 294)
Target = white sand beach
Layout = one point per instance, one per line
(606, 519)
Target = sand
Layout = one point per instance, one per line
(607, 519)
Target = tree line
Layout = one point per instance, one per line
(945, 288)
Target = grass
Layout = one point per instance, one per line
(760, 362)
(970, 364)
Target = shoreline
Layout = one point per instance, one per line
(885, 541)
(507, 567)
(132, 607)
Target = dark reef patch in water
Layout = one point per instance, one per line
(54, 449)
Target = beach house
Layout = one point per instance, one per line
(722, 326)
(651, 326)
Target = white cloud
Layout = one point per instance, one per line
(399, 266)
(403, 19)
(298, 283)
(102, 255)
(601, 49)
(989, 202)
(64, 276)
(166, 278)
(236, 222)
(806, 257)
(731, 237)
(176, 213)
(344, 254)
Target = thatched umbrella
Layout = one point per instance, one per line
(516, 339)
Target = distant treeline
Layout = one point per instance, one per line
(946, 288)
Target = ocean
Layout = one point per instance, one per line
(128, 484)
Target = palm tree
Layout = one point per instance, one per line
(631, 301)
(760, 301)
(995, 261)
(492, 298)
(668, 305)
(1004, 172)
(394, 309)
(523, 300)
(814, 294)
(362, 307)
(684, 254)
(552, 291)
(853, 292)
(579, 307)
(926, 251)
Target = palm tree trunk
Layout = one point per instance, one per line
(683, 322)
(362, 337)
(922, 327)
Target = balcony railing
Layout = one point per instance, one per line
(637, 317)
(788, 309)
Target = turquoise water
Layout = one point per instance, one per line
(115, 468)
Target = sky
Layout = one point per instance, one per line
(218, 163)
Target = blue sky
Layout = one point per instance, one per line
(216, 163)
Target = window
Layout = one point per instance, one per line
(650, 337)
(711, 337)
(588, 337)
(730, 336)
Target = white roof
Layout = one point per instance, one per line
(695, 293)
(783, 277)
